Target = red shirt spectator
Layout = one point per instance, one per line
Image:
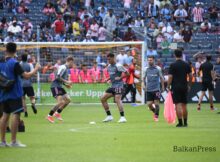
(85, 75)
(95, 71)
(74, 74)
(49, 9)
(59, 26)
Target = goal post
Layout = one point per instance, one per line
(85, 89)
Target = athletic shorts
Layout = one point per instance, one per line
(29, 91)
(207, 85)
(57, 91)
(152, 96)
(115, 91)
(180, 95)
(13, 106)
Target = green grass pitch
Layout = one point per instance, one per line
(138, 140)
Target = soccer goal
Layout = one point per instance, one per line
(89, 71)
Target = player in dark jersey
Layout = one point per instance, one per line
(208, 77)
(178, 72)
(27, 85)
(116, 90)
(63, 99)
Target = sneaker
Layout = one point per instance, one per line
(17, 144)
(108, 118)
(50, 119)
(185, 125)
(58, 116)
(4, 144)
(25, 114)
(179, 125)
(122, 120)
(156, 118)
(34, 109)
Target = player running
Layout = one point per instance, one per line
(59, 92)
(116, 90)
(27, 85)
(151, 83)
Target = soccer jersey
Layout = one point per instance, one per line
(27, 67)
(61, 73)
(152, 76)
(116, 70)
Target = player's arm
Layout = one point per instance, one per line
(170, 79)
(26, 75)
(60, 78)
(122, 69)
(144, 83)
(213, 74)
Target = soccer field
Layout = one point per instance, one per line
(138, 140)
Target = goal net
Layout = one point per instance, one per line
(89, 71)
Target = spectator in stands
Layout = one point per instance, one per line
(129, 58)
(94, 28)
(10, 37)
(59, 25)
(180, 15)
(22, 8)
(62, 8)
(85, 13)
(97, 17)
(165, 45)
(19, 38)
(166, 13)
(52, 75)
(48, 36)
(187, 34)
(121, 57)
(85, 75)
(103, 7)
(159, 39)
(76, 27)
(152, 10)
(102, 13)
(3, 26)
(74, 74)
(14, 28)
(1, 4)
(160, 64)
(88, 4)
(197, 13)
(88, 38)
(206, 26)
(127, 4)
(139, 22)
(12, 8)
(102, 33)
(213, 12)
(177, 37)
(49, 10)
(33, 37)
(110, 21)
(27, 26)
(165, 2)
(129, 35)
(86, 24)
(151, 52)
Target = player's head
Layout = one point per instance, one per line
(111, 58)
(178, 53)
(24, 58)
(150, 60)
(69, 61)
(84, 67)
(11, 49)
(208, 57)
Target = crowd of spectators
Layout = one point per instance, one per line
(68, 21)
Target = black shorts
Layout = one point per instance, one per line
(115, 91)
(29, 91)
(180, 95)
(152, 96)
(13, 106)
(57, 91)
(207, 85)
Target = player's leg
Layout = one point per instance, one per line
(179, 114)
(63, 104)
(24, 106)
(31, 95)
(120, 108)
(150, 101)
(3, 125)
(127, 90)
(157, 110)
(204, 89)
(185, 114)
(211, 100)
(108, 94)
(55, 108)
(133, 93)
